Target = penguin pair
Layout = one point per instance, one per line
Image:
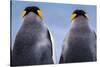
(33, 43)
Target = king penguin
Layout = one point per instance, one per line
(33, 44)
(80, 43)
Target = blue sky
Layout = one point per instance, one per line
(56, 16)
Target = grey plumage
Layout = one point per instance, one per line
(32, 44)
(80, 43)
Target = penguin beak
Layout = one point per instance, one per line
(31, 13)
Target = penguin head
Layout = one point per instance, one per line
(33, 10)
(78, 13)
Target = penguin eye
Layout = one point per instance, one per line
(73, 16)
(23, 13)
(39, 13)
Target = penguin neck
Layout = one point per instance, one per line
(32, 22)
(80, 22)
(32, 19)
